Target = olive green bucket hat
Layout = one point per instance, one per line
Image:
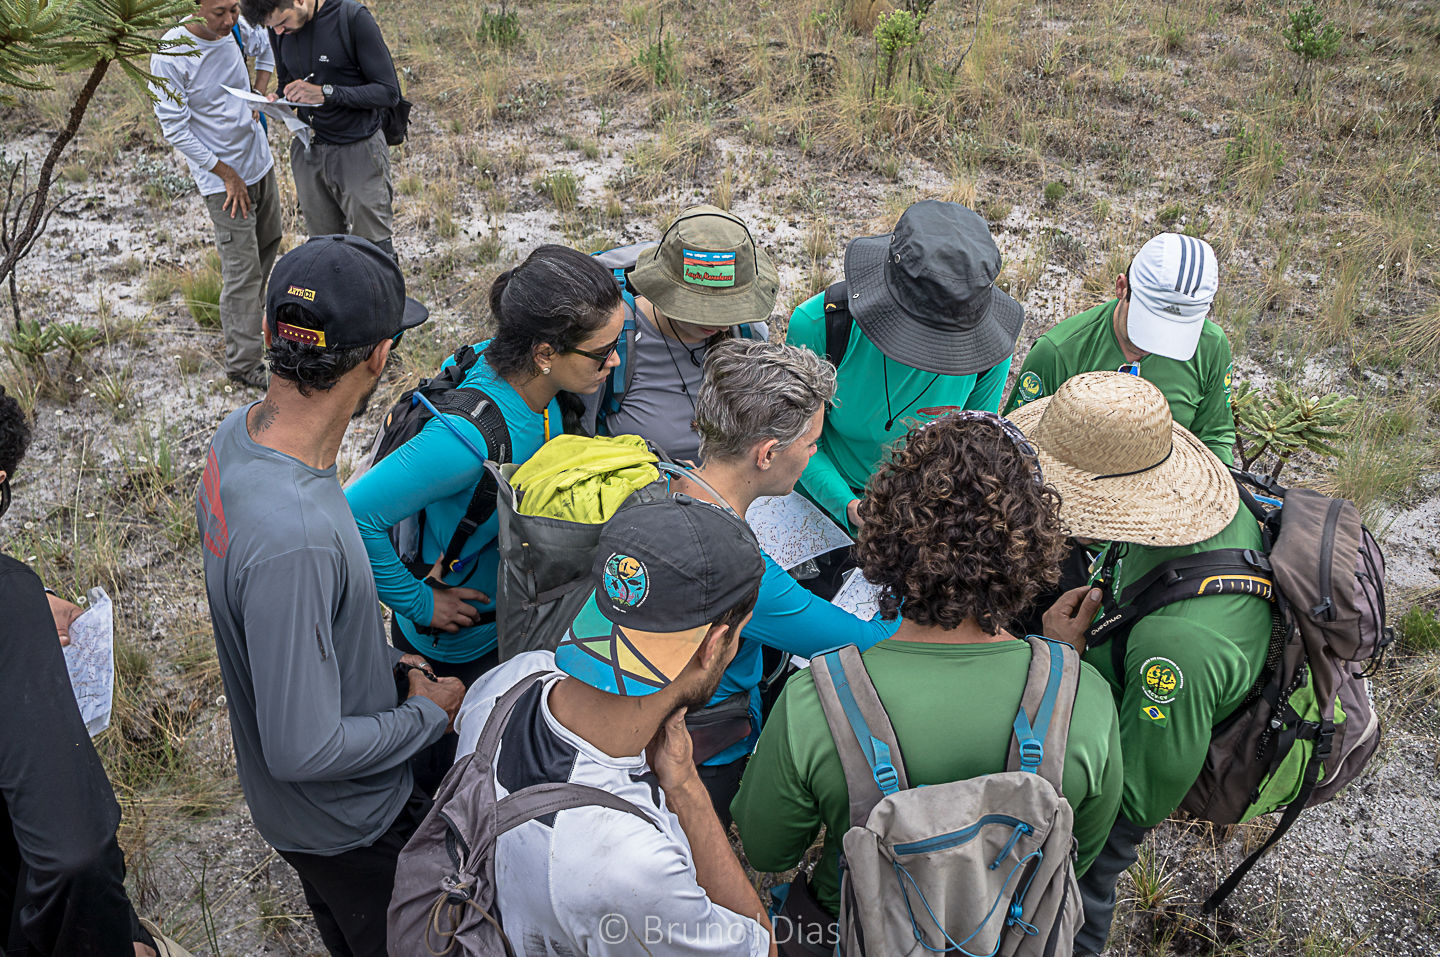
(708, 271)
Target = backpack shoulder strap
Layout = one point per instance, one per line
(1042, 723)
(864, 737)
(348, 12)
(539, 800)
(491, 422)
(618, 382)
(837, 322)
(489, 739)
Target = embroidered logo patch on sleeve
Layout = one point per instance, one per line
(1161, 679)
(1154, 714)
(709, 269)
(1030, 387)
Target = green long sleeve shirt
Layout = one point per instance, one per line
(874, 392)
(1187, 667)
(1198, 390)
(952, 707)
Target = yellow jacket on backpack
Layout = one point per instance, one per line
(580, 479)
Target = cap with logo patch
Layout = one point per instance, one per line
(351, 289)
(1172, 280)
(708, 271)
(663, 573)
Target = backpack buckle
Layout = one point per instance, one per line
(1032, 753)
(886, 778)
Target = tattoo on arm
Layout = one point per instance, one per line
(262, 416)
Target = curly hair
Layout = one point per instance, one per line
(312, 368)
(957, 527)
(14, 433)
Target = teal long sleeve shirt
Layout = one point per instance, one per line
(875, 391)
(436, 472)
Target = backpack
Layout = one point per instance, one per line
(621, 261)
(442, 396)
(394, 120)
(838, 322)
(1308, 726)
(981, 866)
(444, 902)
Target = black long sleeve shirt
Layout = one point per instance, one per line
(62, 890)
(341, 46)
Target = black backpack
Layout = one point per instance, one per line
(442, 395)
(1324, 575)
(394, 120)
(838, 322)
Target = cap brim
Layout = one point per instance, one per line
(1158, 334)
(415, 313)
(678, 300)
(917, 341)
(1187, 499)
(620, 660)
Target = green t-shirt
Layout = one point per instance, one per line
(855, 438)
(1198, 390)
(1187, 667)
(952, 707)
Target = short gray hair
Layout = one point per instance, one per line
(756, 390)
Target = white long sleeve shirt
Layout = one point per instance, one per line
(207, 124)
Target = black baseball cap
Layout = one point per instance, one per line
(351, 288)
(664, 572)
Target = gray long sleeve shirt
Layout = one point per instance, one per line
(320, 744)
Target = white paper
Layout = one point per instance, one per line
(279, 110)
(791, 530)
(858, 596)
(90, 658)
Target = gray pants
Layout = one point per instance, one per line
(247, 251)
(345, 188)
(1097, 887)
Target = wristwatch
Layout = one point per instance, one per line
(327, 90)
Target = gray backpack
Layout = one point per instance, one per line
(444, 902)
(983, 866)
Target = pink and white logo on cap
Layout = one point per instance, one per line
(1173, 280)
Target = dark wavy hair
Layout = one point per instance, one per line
(258, 11)
(311, 368)
(956, 527)
(557, 297)
(14, 433)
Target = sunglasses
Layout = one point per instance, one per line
(600, 357)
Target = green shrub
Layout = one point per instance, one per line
(896, 33)
(660, 59)
(1419, 630)
(562, 187)
(200, 290)
(1054, 192)
(500, 29)
(1309, 37)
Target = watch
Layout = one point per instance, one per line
(327, 90)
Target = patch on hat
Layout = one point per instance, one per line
(1030, 387)
(1161, 679)
(301, 292)
(627, 580)
(300, 334)
(709, 269)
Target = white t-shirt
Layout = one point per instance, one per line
(208, 124)
(592, 880)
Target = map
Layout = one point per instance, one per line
(858, 596)
(791, 530)
(90, 656)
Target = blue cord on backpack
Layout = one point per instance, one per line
(240, 41)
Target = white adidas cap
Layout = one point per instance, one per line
(1172, 283)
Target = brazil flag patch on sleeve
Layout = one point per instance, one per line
(1030, 387)
(1154, 715)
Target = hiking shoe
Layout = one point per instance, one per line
(255, 379)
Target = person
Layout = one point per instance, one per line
(959, 531)
(225, 147)
(1147, 489)
(330, 56)
(1157, 327)
(321, 745)
(759, 412)
(705, 282)
(674, 583)
(62, 873)
(558, 316)
(928, 329)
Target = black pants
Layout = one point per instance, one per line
(349, 892)
(721, 782)
(1097, 887)
(430, 764)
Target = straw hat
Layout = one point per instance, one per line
(1126, 472)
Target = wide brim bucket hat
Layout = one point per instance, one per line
(1126, 472)
(925, 294)
(708, 271)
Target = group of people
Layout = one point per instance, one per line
(881, 407)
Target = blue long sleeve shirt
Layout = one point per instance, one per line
(437, 473)
(794, 620)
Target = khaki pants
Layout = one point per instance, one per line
(247, 251)
(345, 188)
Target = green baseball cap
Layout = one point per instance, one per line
(708, 271)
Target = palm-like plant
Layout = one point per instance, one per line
(1285, 422)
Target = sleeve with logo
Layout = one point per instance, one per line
(1181, 678)
(288, 602)
(822, 480)
(1040, 374)
(1214, 422)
